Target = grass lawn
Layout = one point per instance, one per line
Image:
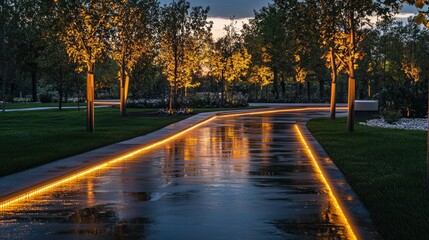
(36, 105)
(32, 138)
(386, 168)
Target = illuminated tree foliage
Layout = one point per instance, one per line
(82, 26)
(229, 60)
(260, 76)
(183, 34)
(356, 13)
(133, 29)
(330, 32)
(270, 24)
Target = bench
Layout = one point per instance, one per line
(366, 108)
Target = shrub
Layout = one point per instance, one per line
(391, 115)
(146, 103)
(197, 100)
(46, 97)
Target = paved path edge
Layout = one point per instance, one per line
(354, 208)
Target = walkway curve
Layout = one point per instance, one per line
(349, 201)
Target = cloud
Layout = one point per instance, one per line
(219, 24)
(404, 16)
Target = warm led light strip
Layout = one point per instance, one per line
(36, 190)
(278, 111)
(350, 233)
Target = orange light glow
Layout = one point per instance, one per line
(350, 233)
(31, 192)
(276, 111)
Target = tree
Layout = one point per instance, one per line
(58, 70)
(134, 24)
(356, 13)
(260, 76)
(330, 30)
(9, 33)
(422, 18)
(274, 38)
(229, 60)
(82, 26)
(34, 30)
(182, 35)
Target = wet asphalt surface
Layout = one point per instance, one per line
(234, 178)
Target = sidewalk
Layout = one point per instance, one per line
(39, 175)
(19, 183)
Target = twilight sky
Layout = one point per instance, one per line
(222, 10)
(228, 8)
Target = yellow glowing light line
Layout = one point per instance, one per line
(39, 190)
(56, 182)
(276, 111)
(351, 234)
(106, 103)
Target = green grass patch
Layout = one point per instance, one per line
(36, 105)
(386, 168)
(29, 139)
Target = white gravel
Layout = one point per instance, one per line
(404, 123)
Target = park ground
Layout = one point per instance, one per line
(385, 167)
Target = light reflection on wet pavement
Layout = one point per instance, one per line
(235, 178)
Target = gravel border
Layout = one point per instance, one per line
(403, 123)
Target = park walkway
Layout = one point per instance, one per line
(246, 177)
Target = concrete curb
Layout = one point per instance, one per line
(353, 207)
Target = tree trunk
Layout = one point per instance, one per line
(352, 80)
(90, 99)
(333, 84)
(3, 89)
(78, 91)
(427, 151)
(60, 101)
(2, 64)
(170, 108)
(369, 88)
(222, 93)
(264, 96)
(283, 85)
(321, 88)
(66, 94)
(297, 90)
(276, 83)
(60, 92)
(256, 93)
(123, 83)
(122, 104)
(173, 87)
(34, 84)
(308, 90)
(123, 94)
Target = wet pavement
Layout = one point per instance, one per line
(235, 178)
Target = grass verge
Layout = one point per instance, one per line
(32, 138)
(386, 168)
(37, 105)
